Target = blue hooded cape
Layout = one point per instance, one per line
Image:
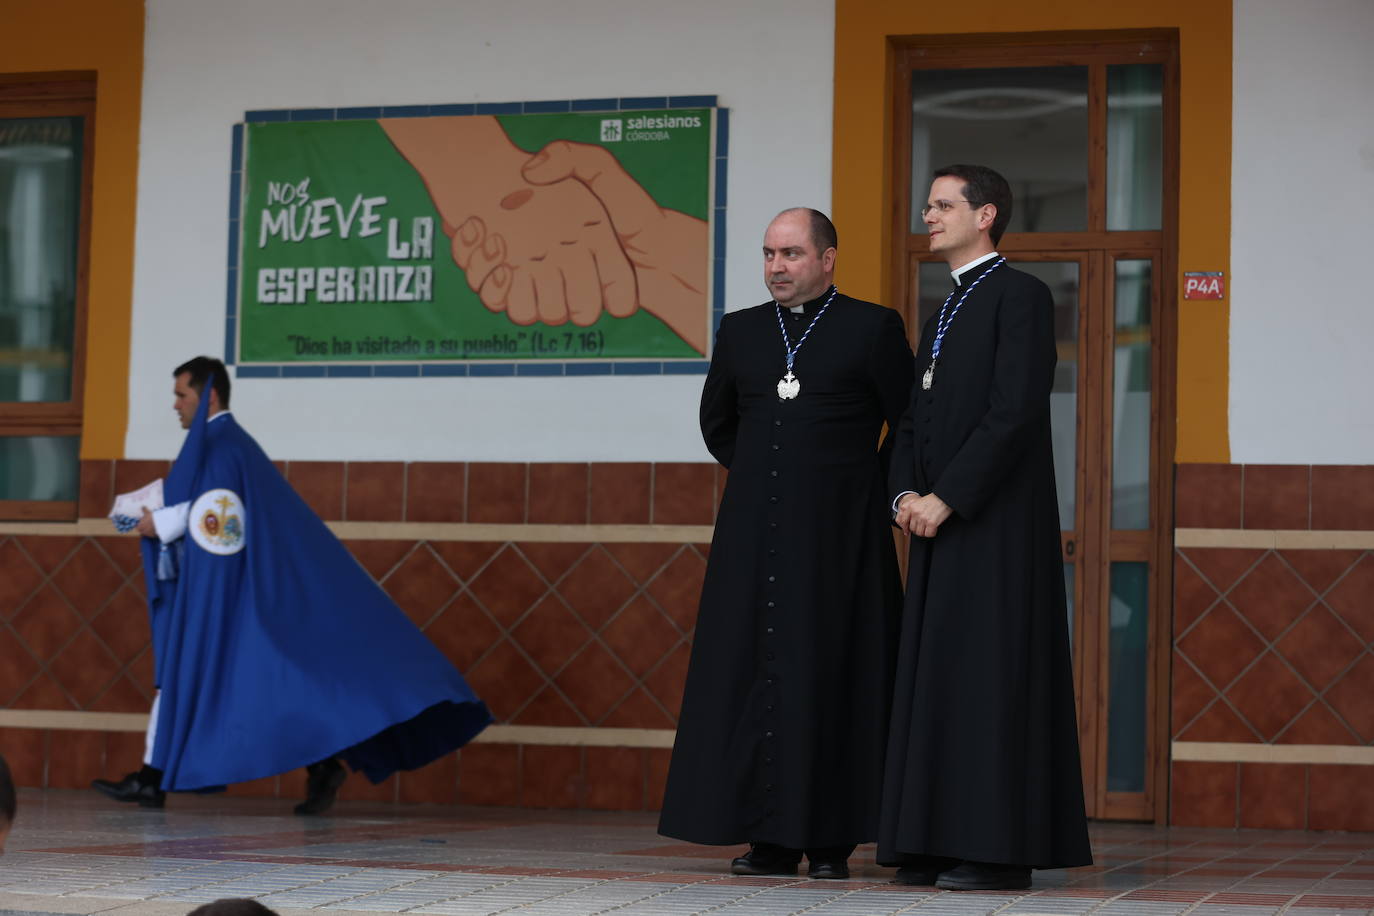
(274, 648)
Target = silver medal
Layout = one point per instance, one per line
(928, 378)
(789, 386)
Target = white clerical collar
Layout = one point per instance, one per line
(799, 309)
(222, 413)
(971, 264)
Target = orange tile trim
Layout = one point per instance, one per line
(1251, 539)
(1224, 752)
(546, 735)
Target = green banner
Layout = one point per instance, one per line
(517, 237)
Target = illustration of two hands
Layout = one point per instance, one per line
(563, 235)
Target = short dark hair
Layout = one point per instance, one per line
(201, 368)
(983, 186)
(8, 801)
(823, 234)
(232, 906)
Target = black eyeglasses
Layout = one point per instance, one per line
(944, 206)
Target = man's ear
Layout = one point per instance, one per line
(828, 260)
(215, 405)
(987, 215)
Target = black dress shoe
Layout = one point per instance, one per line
(322, 784)
(142, 786)
(766, 859)
(921, 871)
(917, 877)
(838, 870)
(984, 876)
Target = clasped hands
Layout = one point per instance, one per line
(562, 235)
(921, 515)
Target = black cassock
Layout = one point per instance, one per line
(982, 760)
(784, 716)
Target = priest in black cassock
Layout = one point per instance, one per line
(780, 740)
(982, 781)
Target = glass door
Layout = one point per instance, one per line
(1084, 134)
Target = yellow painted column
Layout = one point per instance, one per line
(104, 37)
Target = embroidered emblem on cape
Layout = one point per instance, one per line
(216, 522)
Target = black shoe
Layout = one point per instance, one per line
(921, 871)
(766, 859)
(142, 786)
(835, 869)
(322, 786)
(984, 876)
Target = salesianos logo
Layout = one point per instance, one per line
(611, 129)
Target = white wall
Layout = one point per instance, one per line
(1302, 233)
(208, 61)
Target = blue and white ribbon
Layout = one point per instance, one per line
(944, 321)
(786, 343)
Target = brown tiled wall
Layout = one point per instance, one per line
(579, 634)
(1319, 497)
(1277, 796)
(1273, 647)
(605, 778)
(628, 493)
(552, 634)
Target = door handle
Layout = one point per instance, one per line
(1070, 547)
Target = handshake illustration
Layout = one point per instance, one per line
(563, 235)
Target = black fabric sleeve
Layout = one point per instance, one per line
(891, 369)
(901, 475)
(720, 403)
(1019, 401)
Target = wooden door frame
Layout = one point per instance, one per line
(1094, 49)
(64, 94)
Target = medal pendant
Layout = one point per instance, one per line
(928, 378)
(788, 386)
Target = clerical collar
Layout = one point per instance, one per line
(810, 305)
(959, 271)
(222, 413)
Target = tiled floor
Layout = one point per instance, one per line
(73, 852)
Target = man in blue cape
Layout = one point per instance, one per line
(273, 648)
